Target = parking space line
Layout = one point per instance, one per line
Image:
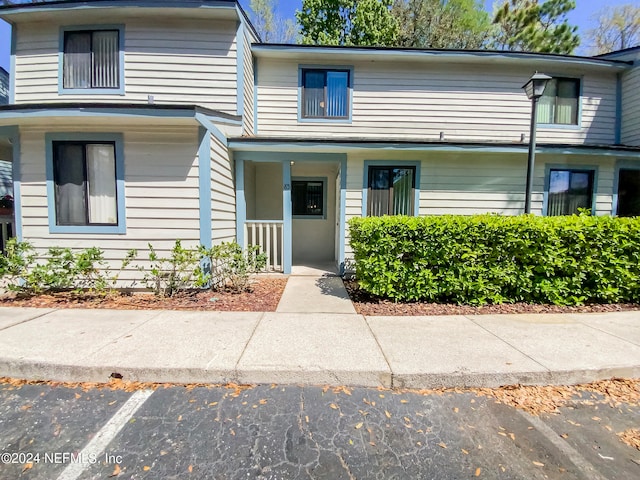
(106, 434)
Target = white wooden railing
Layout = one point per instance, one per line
(6, 230)
(268, 235)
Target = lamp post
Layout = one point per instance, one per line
(534, 89)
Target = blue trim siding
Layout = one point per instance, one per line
(301, 119)
(392, 163)
(117, 138)
(563, 166)
(286, 210)
(343, 216)
(241, 202)
(621, 164)
(91, 91)
(12, 66)
(204, 185)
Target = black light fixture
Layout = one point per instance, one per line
(534, 89)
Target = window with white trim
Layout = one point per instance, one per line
(91, 59)
(84, 175)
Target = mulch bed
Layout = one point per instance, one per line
(263, 296)
(366, 304)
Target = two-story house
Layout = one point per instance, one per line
(133, 122)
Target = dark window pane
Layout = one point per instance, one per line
(307, 198)
(77, 60)
(69, 176)
(628, 193)
(569, 190)
(325, 93)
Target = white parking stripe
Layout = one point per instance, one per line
(106, 434)
(572, 454)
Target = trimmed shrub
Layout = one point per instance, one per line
(498, 259)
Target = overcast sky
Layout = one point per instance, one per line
(581, 16)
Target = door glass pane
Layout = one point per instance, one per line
(101, 173)
(629, 193)
(69, 181)
(378, 195)
(77, 60)
(313, 105)
(402, 191)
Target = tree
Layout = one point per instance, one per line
(460, 24)
(617, 28)
(270, 26)
(532, 26)
(347, 22)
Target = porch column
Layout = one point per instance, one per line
(342, 224)
(241, 204)
(286, 211)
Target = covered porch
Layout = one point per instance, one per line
(291, 205)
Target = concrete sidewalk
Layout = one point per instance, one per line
(334, 348)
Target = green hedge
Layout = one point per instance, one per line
(494, 259)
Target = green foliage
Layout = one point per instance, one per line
(492, 259)
(462, 24)
(347, 22)
(167, 276)
(271, 27)
(59, 269)
(228, 266)
(616, 27)
(534, 26)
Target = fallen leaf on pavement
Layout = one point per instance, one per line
(116, 471)
(27, 466)
(538, 464)
(478, 470)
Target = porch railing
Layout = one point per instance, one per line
(6, 230)
(268, 235)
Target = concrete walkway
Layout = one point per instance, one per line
(317, 348)
(315, 292)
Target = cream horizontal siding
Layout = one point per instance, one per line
(161, 194)
(472, 183)
(631, 107)
(248, 120)
(223, 196)
(188, 61)
(418, 101)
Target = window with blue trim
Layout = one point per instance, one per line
(325, 93)
(91, 59)
(84, 175)
(559, 103)
(569, 191)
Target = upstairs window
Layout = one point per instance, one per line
(569, 190)
(325, 94)
(559, 104)
(391, 191)
(91, 59)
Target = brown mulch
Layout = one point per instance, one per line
(263, 296)
(366, 304)
(631, 437)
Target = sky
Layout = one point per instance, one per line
(581, 17)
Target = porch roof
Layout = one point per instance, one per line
(343, 145)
